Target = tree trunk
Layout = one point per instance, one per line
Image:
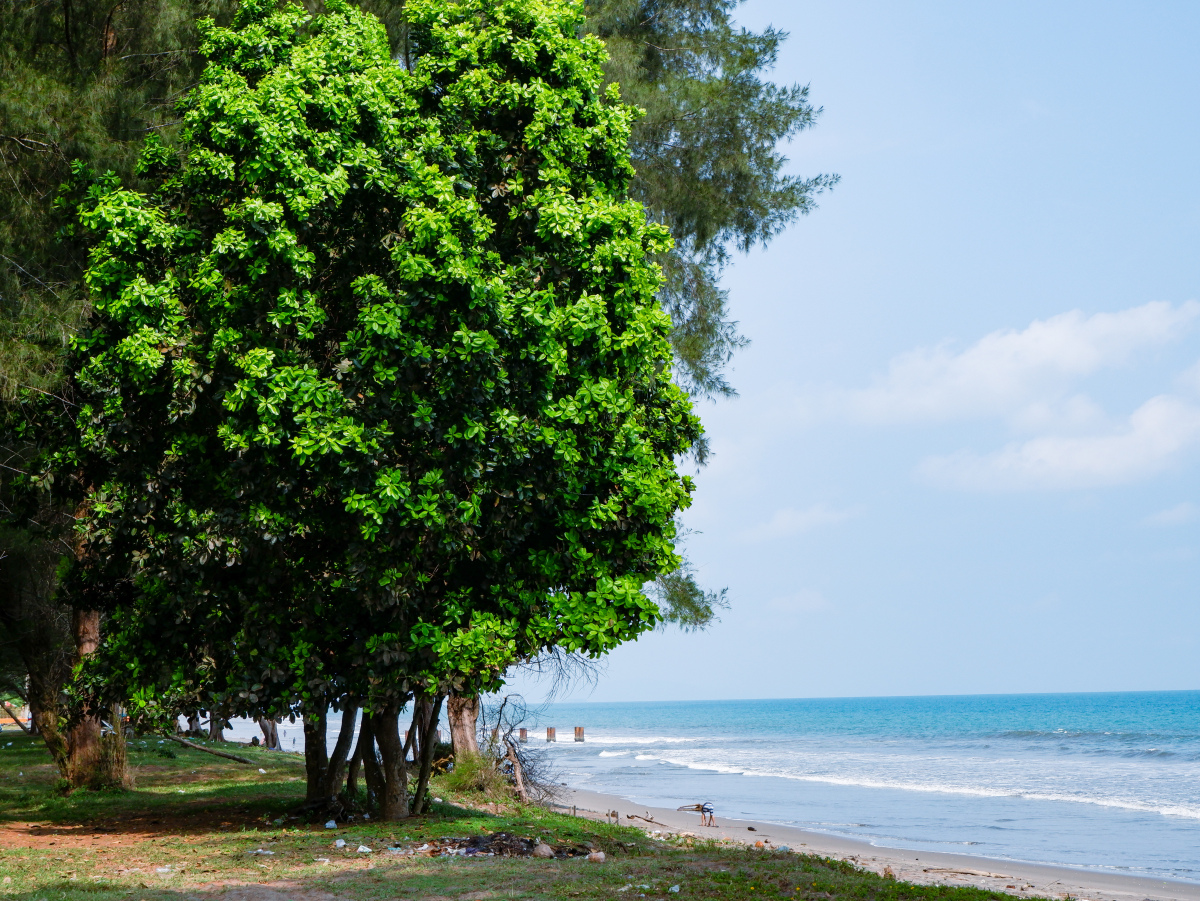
(393, 801)
(335, 773)
(428, 735)
(518, 773)
(463, 714)
(216, 725)
(84, 740)
(46, 721)
(112, 759)
(370, 762)
(316, 750)
(270, 731)
(355, 766)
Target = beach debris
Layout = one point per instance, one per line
(331, 824)
(751, 829)
(496, 844)
(646, 819)
(596, 857)
(340, 843)
(759, 844)
(965, 872)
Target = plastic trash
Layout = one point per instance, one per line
(322, 860)
(625, 888)
(783, 848)
(261, 851)
(363, 849)
(674, 888)
(332, 824)
(596, 857)
(340, 843)
(166, 869)
(366, 816)
(261, 770)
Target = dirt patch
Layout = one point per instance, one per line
(126, 830)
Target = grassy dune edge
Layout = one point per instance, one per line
(197, 827)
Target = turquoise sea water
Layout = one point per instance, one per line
(1104, 781)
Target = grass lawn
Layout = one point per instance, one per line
(191, 827)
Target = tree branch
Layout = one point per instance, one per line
(188, 744)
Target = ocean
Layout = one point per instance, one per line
(1096, 781)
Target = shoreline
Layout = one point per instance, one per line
(922, 867)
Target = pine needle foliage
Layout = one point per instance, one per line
(707, 154)
(79, 80)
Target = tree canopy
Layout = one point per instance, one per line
(221, 558)
(376, 375)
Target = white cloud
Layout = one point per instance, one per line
(1023, 376)
(1155, 436)
(790, 521)
(1189, 379)
(1179, 515)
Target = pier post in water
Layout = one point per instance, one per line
(579, 733)
(524, 736)
(550, 734)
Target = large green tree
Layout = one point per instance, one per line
(379, 362)
(80, 79)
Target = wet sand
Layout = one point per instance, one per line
(923, 867)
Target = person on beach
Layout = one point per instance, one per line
(705, 810)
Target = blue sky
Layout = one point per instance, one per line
(965, 455)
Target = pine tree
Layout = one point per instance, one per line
(79, 80)
(707, 154)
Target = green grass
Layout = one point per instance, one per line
(199, 817)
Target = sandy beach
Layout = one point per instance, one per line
(924, 867)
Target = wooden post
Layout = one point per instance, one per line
(550, 734)
(524, 736)
(579, 733)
